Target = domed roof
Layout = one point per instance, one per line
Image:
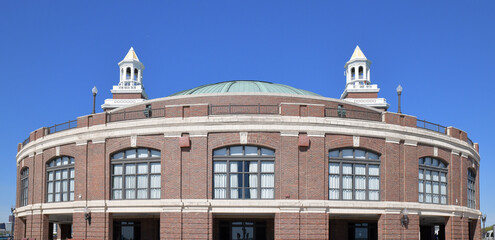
(245, 86)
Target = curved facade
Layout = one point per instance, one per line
(248, 165)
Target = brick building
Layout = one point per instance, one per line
(248, 160)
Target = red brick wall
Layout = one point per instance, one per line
(127, 95)
(362, 95)
(389, 227)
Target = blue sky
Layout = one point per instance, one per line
(53, 53)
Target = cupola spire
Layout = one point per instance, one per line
(358, 86)
(130, 89)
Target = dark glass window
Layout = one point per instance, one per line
(24, 186)
(432, 181)
(471, 189)
(243, 172)
(354, 174)
(60, 179)
(136, 174)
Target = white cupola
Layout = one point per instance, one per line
(357, 69)
(358, 88)
(130, 89)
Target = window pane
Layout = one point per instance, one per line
(428, 161)
(65, 161)
(142, 194)
(267, 193)
(442, 165)
(235, 167)
(443, 177)
(267, 152)
(428, 187)
(155, 153)
(237, 150)
(267, 166)
(235, 180)
(436, 188)
(421, 174)
(334, 154)
(235, 193)
(250, 150)
(428, 175)
(374, 170)
(373, 156)
(155, 167)
(155, 193)
(420, 186)
(333, 194)
(360, 182)
(131, 153)
(130, 182)
(64, 186)
(50, 176)
(434, 162)
(155, 181)
(142, 181)
(219, 166)
(374, 195)
(220, 193)
(251, 166)
(360, 169)
(58, 162)
(119, 155)
(443, 189)
(420, 197)
(130, 169)
(117, 169)
(117, 194)
(347, 182)
(374, 183)
(347, 194)
(347, 153)
(50, 187)
(421, 161)
(220, 180)
(142, 168)
(71, 160)
(64, 174)
(142, 153)
(267, 180)
(251, 193)
(334, 181)
(58, 175)
(117, 182)
(347, 168)
(360, 154)
(72, 175)
(130, 194)
(220, 152)
(334, 168)
(435, 176)
(360, 195)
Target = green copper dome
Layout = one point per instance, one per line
(245, 86)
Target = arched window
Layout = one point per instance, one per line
(361, 73)
(135, 74)
(128, 73)
(432, 185)
(136, 174)
(471, 193)
(353, 74)
(24, 186)
(243, 172)
(60, 179)
(354, 174)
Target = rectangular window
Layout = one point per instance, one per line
(243, 172)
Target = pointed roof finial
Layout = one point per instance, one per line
(357, 53)
(131, 55)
